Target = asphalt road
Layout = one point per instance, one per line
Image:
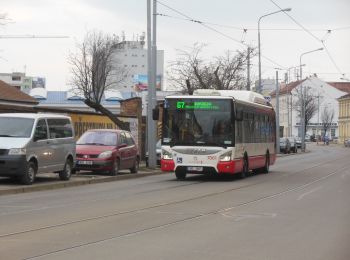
(300, 210)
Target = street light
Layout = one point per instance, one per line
(282, 10)
(303, 95)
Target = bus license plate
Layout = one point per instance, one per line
(195, 169)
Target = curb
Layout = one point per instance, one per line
(73, 183)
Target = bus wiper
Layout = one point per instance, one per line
(6, 136)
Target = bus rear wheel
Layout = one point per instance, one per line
(180, 174)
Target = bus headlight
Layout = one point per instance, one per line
(17, 151)
(226, 157)
(166, 155)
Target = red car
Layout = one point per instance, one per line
(110, 150)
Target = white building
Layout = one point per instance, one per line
(132, 56)
(325, 96)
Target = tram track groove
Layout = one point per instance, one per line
(198, 216)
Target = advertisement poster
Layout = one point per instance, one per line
(141, 82)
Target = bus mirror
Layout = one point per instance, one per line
(155, 113)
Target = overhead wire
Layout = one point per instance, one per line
(215, 30)
(312, 35)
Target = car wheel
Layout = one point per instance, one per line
(115, 168)
(135, 168)
(29, 174)
(67, 170)
(180, 174)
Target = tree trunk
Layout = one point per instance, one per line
(98, 107)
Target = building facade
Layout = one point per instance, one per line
(131, 56)
(324, 96)
(344, 118)
(22, 82)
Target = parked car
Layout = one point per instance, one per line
(347, 142)
(110, 150)
(158, 153)
(298, 142)
(284, 145)
(293, 144)
(36, 143)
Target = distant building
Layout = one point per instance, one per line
(325, 95)
(344, 117)
(132, 56)
(22, 82)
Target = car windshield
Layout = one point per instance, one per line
(158, 145)
(16, 127)
(98, 138)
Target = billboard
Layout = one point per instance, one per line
(141, 82)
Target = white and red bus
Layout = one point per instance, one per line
(218, 131)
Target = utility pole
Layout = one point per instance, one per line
(248, 69)
(277, 115)
(151, 52)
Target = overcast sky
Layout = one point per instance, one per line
(283, 44)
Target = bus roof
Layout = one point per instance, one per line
(239, 95)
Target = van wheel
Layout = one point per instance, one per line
(135, 168)
(115, 168)
(29, 174)
(67, 170)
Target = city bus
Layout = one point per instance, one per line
(222, 132)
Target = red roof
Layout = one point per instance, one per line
(345, 96)
(287, 88)
(342, 86)
(10, 93)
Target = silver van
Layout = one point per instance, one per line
(36, 143)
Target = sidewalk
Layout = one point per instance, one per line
(50, 181)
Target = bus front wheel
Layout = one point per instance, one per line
(180, 175)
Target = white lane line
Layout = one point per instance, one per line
(308, 193)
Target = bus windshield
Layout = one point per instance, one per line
(198, 121)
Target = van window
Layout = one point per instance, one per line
(59, 128)
(129, 139)
(16, 127)
(40, 130)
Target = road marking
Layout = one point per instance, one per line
(308, 193)
(249, 216)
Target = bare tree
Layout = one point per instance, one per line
(94, 71)
(327, 117)
(190, 71)
(310, 106)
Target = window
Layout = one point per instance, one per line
(122, 139)
(40, 130)
(16, 78)
(60, 128)
(129, 139)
